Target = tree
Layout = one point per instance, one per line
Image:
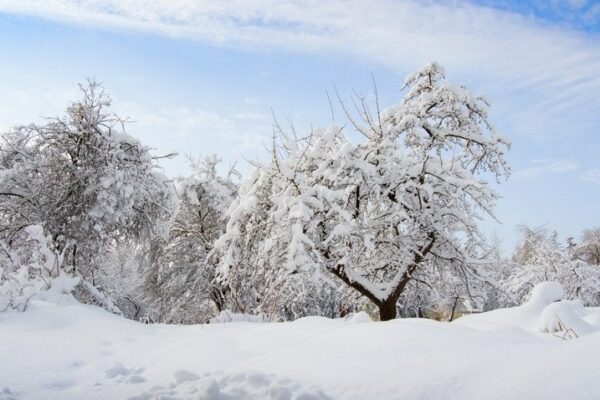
(589, 248)
(541, 258)
(84, 181)
(257, 258)
(180, 284)
(377, 216)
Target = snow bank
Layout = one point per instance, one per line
(74, 351)
(593, 316)
(545, 312)
(359, 318)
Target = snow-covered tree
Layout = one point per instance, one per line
(259, 255)
(380, 216)
(84, 181)
(589, 248)
(180, 284)
(540, 258)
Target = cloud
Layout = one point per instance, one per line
(592, 15)
(515, 52)
(388, 32)
(592, 175)
(21, 106)
(196, 131)
(547, 76)
(179, 120)
(542, 167)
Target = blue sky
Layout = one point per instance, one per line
(203, 77)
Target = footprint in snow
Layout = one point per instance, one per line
(245, 385)
(7, 394)
(121, 373)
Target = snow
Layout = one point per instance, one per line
(74, 351)
(227, 316)
(525, 316)
(359, 318)
(566, 317)
(545, 293)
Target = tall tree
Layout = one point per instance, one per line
(399, 208)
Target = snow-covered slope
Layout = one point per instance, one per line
(72, 351)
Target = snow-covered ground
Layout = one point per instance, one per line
(73, 351)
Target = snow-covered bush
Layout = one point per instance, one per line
(27, 268)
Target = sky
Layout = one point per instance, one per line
(202, 77)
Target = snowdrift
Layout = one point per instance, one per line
(545, 312)
(73, 351)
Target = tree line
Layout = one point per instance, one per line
(326, 226)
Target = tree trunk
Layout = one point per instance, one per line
(387, 310)
(74, 260)
(453, 309)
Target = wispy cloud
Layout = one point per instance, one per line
(390, 32)
(592, 175)
(543, 167)
(547, 77)
(197, 131)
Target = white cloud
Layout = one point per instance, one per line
(195, 131)
(543, 167)
(396, 34)
(252, 116)
(252, 101)
(549, 74)
(180, 121)
(592, 175)
(592, 15)
(21, 106)
(543, 79)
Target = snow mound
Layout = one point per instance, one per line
(229, 316)
(525, 316)
(122, 374)
(593, 317)
(544, 313)
(566, 318)
(545, 293)
(60, 290)
(74, 351)
(359, 318)
(251, 385)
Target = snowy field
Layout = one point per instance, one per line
(74, 351)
